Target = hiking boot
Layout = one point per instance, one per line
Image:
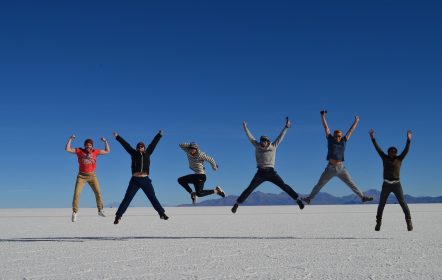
(74, 217)
(300, 204)
(117, 220)
(193, 197)
(164, 216)
(409, 224)
(234, 208)
(101, 213)
(378, 225)
(306, 199)
(220, 191)
(366, 198)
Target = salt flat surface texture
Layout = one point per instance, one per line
(272, 242)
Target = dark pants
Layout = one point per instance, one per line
(262, 175)
(135, 184)
(198, 181)
(397, 190)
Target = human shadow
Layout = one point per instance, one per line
(130, 238)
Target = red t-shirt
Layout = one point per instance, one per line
(87, 162)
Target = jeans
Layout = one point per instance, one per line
(262, 175)
(395, 188)
(198, 181)
(135, 184)
(331, 171)
(82, 179)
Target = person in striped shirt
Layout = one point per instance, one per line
(196, 159)
(265, 153)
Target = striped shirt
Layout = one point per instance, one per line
(196, 161)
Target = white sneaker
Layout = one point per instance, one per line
(101, 213)
(74, 217)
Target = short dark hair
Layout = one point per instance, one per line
(391, 149)
(89, 141)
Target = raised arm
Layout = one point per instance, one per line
(249, 134)
(407, 146)
(278, 139)
(154, 142)
(123, 143)
(68, 145)
(324, 123)
(106, 146)
(376, 146)
(352, 128)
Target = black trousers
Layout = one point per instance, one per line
(198, 181)
(397, 190)
(262, 175)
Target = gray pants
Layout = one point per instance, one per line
(331, 171)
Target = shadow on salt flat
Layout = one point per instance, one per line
(129, 238)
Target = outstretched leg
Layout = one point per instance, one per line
(346, 178)
(130, 193)
(146, 186)
(257, 180)
(328, 173)
(277, 180)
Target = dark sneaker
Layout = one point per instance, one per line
(234, 208)
(164, 216)
(409, 224)
(306, 199)
(193, 197)
(378, 225)
(366, 199)
(220, 191)
(117, 220)
(300, 204)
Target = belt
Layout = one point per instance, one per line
(391, 182)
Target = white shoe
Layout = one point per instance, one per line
(101, 213)
(74, 217)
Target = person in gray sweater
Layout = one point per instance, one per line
(265, 153)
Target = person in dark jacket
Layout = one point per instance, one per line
(392, 167)
(140, 176)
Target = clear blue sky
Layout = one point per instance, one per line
(197, 69)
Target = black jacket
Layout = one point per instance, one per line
(140, 161)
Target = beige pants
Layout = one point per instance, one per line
(92, 180)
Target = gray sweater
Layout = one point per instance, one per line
(265, 157)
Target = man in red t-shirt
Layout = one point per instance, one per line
(87, 160)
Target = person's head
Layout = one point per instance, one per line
(337, 134)
(392, 152)
(193, 148)
(140, 146)
(264, 141)
(88, 145)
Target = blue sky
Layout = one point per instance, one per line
(197, 69)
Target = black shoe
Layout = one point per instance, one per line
(193, 197)
(117, 220)
(300, 204)
(234, 208)
(378, 225)
(409, 224)
(306, 199)
(164, 216)
(366, 198)
(220, 191)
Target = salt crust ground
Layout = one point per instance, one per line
(274, 242)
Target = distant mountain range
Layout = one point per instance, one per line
(322, 198)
